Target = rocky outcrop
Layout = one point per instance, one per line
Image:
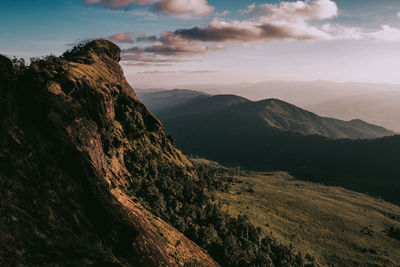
(73, 138)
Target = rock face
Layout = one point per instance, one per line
(73, 138)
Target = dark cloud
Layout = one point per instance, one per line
(171, 44)
(151, 38)
(264, 29)
(114, 4)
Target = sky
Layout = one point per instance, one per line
(168, 42)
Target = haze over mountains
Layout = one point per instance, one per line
(272, 113)
(373, 103)
(382, 108)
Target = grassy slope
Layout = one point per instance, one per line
(333, 224)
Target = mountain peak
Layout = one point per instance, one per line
(92, 49)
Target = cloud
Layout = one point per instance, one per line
(146, 38)
(286, 21)
(341, 32)
(264, 29)
(299, 10)
(398, 15)
(145, 64)
(171, 44)
(147, 58)
(114, 4)
(387, 33)
(181, 71)
(181, 7)
(174, 7)
(222, 14)
(121, 37)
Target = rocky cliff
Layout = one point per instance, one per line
(74, 139)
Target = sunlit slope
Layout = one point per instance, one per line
(332, 224)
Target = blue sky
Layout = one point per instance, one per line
(357, 42)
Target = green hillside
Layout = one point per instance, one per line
(336, 226)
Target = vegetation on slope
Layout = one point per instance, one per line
(62, 175)
(336, 226)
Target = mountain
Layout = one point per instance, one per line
(89, 177)
(273, 135)
(70, 131)
(271, 113)
(380, 108)
(300, 93)
(373, 103)
(202, 104)
(163, 99)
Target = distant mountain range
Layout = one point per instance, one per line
(157, 100)
(175, 107)
(382, 108)
(374, 103)
(275, 135)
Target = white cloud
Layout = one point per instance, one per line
(222, 14)
(181, 7)
(387, 33)
(121, 37)
(341, 32)
(175, 7)
(299, 10)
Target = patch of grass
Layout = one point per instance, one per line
(338, 227)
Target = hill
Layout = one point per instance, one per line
(201, 104)
(271, 113)
(89, 177)
(337, 226)
(164, 99)
(264, 135)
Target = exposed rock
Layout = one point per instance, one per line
(68, 128)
